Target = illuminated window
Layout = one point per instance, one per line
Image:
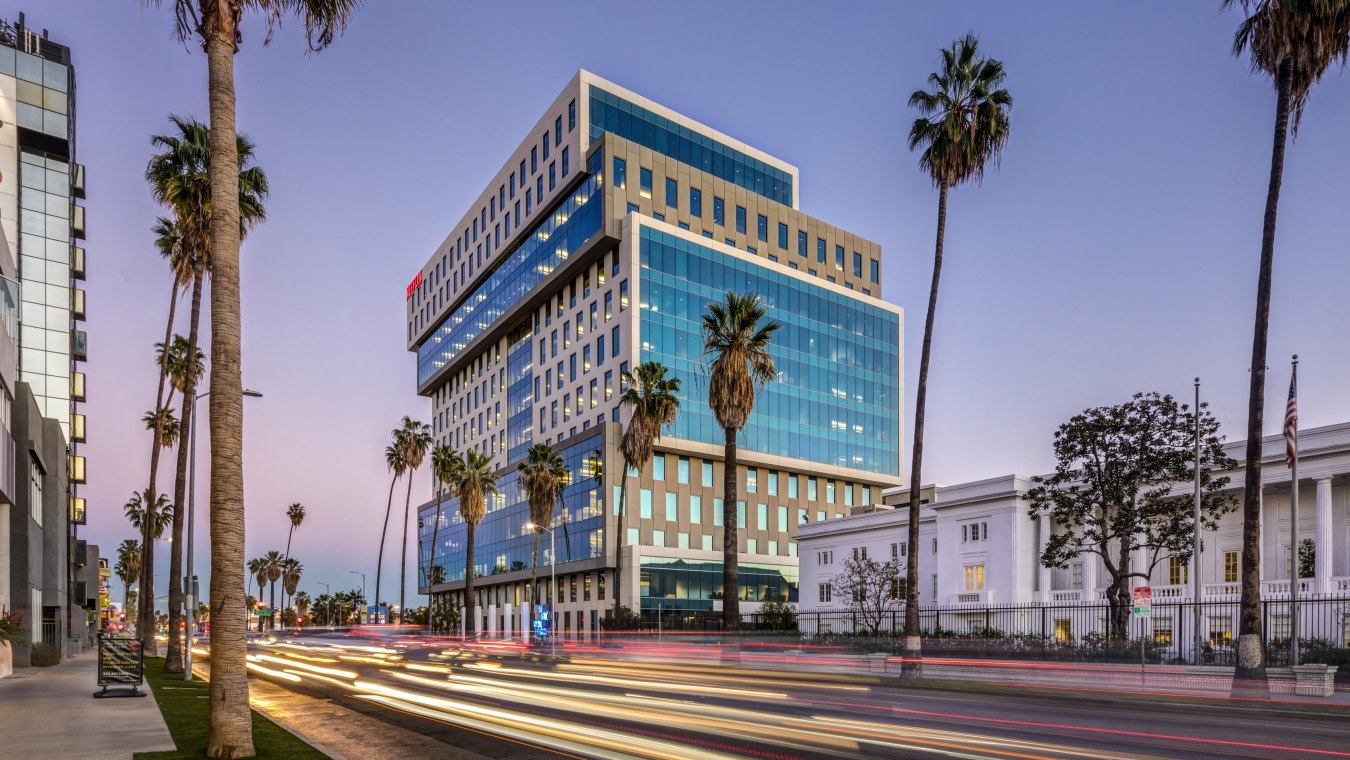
(1063, 631)
(974, 577)
(1162, 631)
(1230, 567)
(1177, 574)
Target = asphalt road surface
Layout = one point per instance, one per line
(672, 702)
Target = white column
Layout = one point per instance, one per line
(1042, 571)
(1325, 542)
(1090, 561)
(525, 622)
(492, 619)
(506, 620)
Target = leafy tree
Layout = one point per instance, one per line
(736, 337)
(164, 424)
(962, 127)
(216, 25)
(416, 442)
(475, 482)
(778, 615)
(1294, 42)
(302, 605)
(871, 589)
(1114, 491)
(652, 398)
(543, 476)
(128, 570)
(1307, 558)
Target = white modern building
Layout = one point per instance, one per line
(979, 547)
(595, 248)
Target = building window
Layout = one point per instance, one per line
(829, 491)
(707, 477)
(719, 211)
(1220, 631)
(820, 251)
(1063, 631)
(857, 257)
(645, 182)
(839, 257)
(1230, 567)
(565, 168)
(825, 593)
(672, 507)
(1162, 631)
(534, 160)
(609, 304)
(762, 227)
(609, 384)
(645, 502)
(792, 486)
(695, 510)
(614, 341)
(557, 131)
(552, 175)
(782, 236)
(974, 577)
(571, 125)
(682, 471)
(659, 467)
(773, 482)
(825, 558)
(811, 489)
(740, 219)
(620, 173)
(1177, 574)
(876, 271)
(695, 202)
(751, 480)
(544, 145)
(801, 243)
(623, 296)
(1076, 576)
(672, 193)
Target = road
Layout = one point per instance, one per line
(677, 701)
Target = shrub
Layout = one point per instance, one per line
(778, 616)
(625, 620)
(44, 656)
(11, 623)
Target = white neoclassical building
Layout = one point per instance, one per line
(979, 547)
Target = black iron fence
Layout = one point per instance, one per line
(1059, 631)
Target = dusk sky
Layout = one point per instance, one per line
(1113, 251)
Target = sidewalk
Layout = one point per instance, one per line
(51, 713)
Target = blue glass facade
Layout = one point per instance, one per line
(544, 248)
(836, 401)
(680, 584)
(611, 113)
(501, 543)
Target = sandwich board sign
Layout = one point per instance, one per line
(1143, 602)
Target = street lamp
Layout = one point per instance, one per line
(192, 514)
(552, 584)
(363, 592)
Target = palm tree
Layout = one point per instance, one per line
(216, 24)
(736, 337)
(164, 424)
(296, 514)
(168, 241)
(273, 560)
(302, 603)
(291, 570)
(416, 442)
(257, 570)
(128, 569)
(394, 460)
(542, 475)
(323, 608)
(963, 126)
(474, 481)
(443, 460)
(653, 401)
(149, 515)
(180, 179)
(1294, 42)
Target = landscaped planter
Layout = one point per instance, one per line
(6, 659)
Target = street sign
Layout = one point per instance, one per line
(1143, 602)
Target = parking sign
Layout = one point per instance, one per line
(1143, 602)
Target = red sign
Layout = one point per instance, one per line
(413, 285)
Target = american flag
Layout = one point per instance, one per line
(1291, 422)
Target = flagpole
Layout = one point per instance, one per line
(1293, 522)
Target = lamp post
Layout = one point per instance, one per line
(552, 585)
(1195, 551)
(192, 513)
(364, 602)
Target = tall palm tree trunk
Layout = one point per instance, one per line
(145, 624)
(173, 659)
(1251, 668)
(231, 733)
(911, 665)
(379, 561)
(731, 572)
(403, 557)
(470, 621)
(290, 533)
(534, 570)
(620, 539)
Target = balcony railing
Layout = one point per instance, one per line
(1278, 588)
(1076, 595)
(1281, 588)
(1221, 589)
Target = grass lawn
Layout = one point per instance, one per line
(184, 706)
